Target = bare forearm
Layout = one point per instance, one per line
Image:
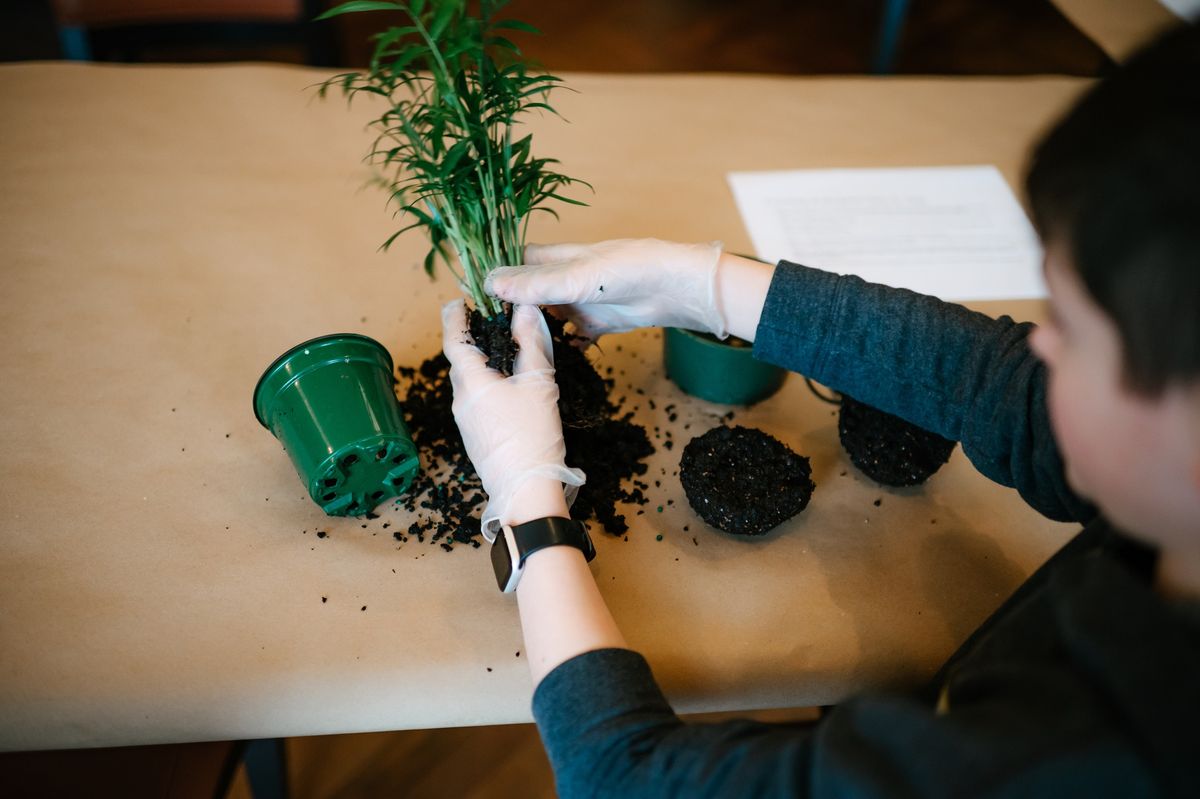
(562, 612)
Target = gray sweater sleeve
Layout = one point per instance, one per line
(961, 374)
(609, 731)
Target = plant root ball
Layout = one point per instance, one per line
(888, 449)
(743, 481)
(601, 440)
(494, 337)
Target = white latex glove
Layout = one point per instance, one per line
(619, 285)
(510, 426)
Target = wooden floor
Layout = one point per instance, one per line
(471, 763)
(784, 36)
(981, 37)
(788, 36)
(468, 763)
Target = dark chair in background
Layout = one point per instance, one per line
(891, 25)
(128, 30)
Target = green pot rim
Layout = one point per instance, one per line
(707, 340)
(270, 371)
(690, 358)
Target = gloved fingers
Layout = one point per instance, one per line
(538, 254)
(577, 316)
(455, 332)
(567, 282)
(530, 331)
(592, 322)
(502, 281)
(556, 283)
(468, 365)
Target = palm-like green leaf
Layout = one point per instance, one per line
(357, 5)
(455, 90)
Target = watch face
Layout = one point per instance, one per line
(501, 560)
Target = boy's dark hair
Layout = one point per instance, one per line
(1117, 182)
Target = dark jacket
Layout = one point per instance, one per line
(1084, 683)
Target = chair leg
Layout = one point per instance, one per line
(237, 753)
(320, 38)
(266, 768)
(890, 27)
(74, 42)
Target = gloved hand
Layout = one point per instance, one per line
(619, 285)
(510, 426)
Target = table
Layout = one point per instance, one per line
(168, 231)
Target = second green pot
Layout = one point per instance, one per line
(331, 403)
(718, 371)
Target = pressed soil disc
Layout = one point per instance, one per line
(743, 481)
(888, 449)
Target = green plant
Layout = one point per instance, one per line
(455, 88)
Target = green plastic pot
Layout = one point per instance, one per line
(718, 371)
(330, 402)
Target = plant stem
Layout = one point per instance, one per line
(458, 174)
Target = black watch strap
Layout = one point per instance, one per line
(550, 532)
(514, 544)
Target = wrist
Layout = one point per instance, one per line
(536, 498)
(516, 544)
(548, 561)
(742, 286)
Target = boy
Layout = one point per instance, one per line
(1086, 681)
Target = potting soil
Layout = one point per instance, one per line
(600, 439)
(889, 449)
(493, 336)
(743, 481)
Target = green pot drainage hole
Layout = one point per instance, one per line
(362, 476)
(331, 403)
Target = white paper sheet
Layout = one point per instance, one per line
(1184, 9)
(954, 232)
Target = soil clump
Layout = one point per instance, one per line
(743, 481)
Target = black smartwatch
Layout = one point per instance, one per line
(514, 544)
